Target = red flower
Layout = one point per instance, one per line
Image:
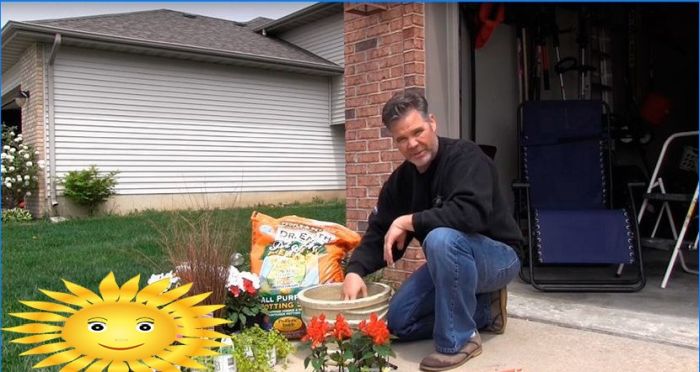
(341, 329)
(316, 331)
(248, 285)
(235, 291)
(376, 329)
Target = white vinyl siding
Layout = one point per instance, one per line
(325, 39)
(172, 127)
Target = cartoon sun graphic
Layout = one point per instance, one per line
(122, 329)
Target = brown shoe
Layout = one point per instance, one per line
(499, 314)
(441, 362)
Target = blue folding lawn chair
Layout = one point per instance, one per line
(575, 241)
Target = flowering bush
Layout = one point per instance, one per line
(19, 169)
(356, 352)
(243, 306)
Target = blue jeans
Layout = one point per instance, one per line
(448, 298)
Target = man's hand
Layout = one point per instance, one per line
(353, 285)
(397, 235)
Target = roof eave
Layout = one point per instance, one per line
(45, 33)
(287, 21)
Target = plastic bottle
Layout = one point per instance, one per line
(225, 361)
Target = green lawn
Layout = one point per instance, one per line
(38, 254)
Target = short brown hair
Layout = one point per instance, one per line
(402, 103)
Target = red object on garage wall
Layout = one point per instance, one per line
(655, 109)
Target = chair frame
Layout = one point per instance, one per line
(528, 270)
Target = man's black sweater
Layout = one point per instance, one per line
(459, 190)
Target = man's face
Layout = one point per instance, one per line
(416, 139)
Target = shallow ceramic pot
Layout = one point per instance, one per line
(328, 299)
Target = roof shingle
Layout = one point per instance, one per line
(189, 30)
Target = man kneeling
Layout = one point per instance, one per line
(445, 195)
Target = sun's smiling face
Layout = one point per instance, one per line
(121, 329)
(111, 330)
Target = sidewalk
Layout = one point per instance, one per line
(651, 330)
(539, 347)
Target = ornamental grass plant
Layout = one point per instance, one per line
(200, 248)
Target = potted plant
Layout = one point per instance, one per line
(256, 349)
(371, 347)
(243, 306)
(366, 350)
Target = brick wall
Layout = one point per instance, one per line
(32, 79)
(384, 53)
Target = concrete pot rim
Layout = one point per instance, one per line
(381, 292)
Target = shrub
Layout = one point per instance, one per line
(88, 188)
(19, 169)
(16, 215)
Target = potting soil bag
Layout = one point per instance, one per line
(290, 254)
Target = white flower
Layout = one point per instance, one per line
(8, 185)
(28, 193)
(26, 156)
(6, 147)
(29, 163)
(25, 147)
(12, 150)
(41, 163)
(18, 139)
(26, 183)
(2, 169)
(12, 169)
(3, 156)
(19, 178)
(10, 157)
(235, 278)
(174, 280)
(26, 178)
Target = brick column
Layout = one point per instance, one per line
(33, 129)
(384, 53)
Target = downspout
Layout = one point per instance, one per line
(52, 121)
(330, 100)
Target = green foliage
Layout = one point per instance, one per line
(16, 215)
(253, 349)
(282, 345)
(243, 308)
(19, 169)
(88, 188)
(208, 362)
(38, 254)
